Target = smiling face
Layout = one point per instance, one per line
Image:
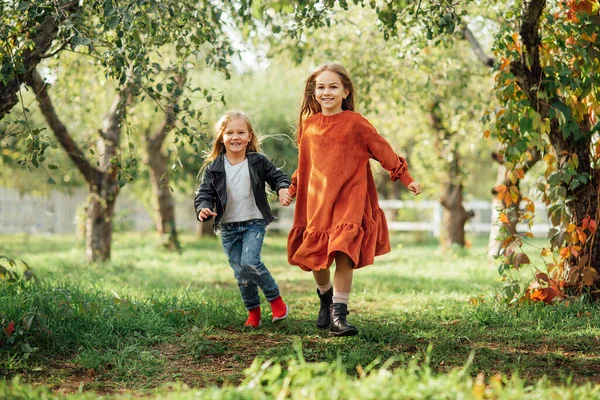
(236, 137)
(330, 92)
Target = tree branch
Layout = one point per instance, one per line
(156, 140)
(58, 50)
(112, 126)
(530, 35)
(35, 81)
(527, 69)
(484, 58)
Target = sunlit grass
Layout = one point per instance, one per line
(150, 317)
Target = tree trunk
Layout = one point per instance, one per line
(454, 215)
(163, 203)
(581, 268)
(102, 182)
(99, 211)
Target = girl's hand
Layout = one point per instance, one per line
(205, 213)
(284, 197)
(415, 187)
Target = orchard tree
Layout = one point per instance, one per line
(102, 180)
(547, 87)
(122, 37)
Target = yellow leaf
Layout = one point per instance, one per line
(536, 122)
(574, 238)
(581, 234)
(486, 134)
(479, 386)
(546, 252)
(530, 207)
(504, 218)
(571, 228)
(507, 198)
(572, 99)
(549, 158)
(514, 193)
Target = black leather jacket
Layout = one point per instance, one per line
(212, 192)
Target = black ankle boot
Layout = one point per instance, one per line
(339, 325)
(324, 318)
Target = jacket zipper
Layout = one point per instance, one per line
(219, 197)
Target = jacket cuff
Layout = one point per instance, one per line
(282, 186)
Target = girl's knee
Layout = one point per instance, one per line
(253, 268)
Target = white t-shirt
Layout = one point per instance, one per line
(241, 205)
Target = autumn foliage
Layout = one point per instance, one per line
(547, 84)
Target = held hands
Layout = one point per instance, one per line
(205, 213)
(415, 187)
(284, 197)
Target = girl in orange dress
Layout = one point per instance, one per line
(337, 215)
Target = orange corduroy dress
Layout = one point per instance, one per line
(336, 198)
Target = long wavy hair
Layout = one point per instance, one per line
(218, 146)
(310, 105)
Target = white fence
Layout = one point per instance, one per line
(57, 214)
(426, 216)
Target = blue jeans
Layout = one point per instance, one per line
(242, 242)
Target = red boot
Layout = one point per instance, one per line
(279, 309)
(253, 320)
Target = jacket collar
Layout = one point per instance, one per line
(219, 164)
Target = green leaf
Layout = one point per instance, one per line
(113, 22)
(563, 108)
(525, 125)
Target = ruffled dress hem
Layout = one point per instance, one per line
(314, 250)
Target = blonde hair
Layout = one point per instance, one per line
(218, 146)
(310, 105)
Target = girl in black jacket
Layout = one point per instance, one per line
(233, 192)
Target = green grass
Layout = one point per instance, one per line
(150, 317)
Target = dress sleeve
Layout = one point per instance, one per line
(293, 187)
(380, 150)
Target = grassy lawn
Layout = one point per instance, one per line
(151, 322)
